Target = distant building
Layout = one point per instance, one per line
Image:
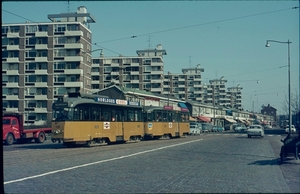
(270, 111)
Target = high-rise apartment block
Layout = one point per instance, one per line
(41, 61)
(144, 71)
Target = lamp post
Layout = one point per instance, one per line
(289, 79)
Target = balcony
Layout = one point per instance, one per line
(155, 89)
(41, 34)
(41, 72)
(95, 82)
(156, 81)
(12, 84)
(95, 73)
(41, 59)
(12, 72)
(73, 84)
(13, 34)
(74, 46)
(12, 47)
(11, 109)
(12, 60)
(134, 73)
(73, 58)
(73, 71)
(157, 72)
(73, 33)
(41, 46)
(40, 110)
(11, 96)
(135, 81)
(40, 84)
(40, 97)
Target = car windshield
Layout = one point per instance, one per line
(192, 126)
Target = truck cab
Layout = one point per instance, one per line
(11, 128)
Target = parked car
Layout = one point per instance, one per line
(195, 128)
(218, 129)
(240, 129)
(255, 130)
(293, 129)
(206, 127)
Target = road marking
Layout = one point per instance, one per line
(98, 162)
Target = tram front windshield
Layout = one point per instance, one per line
(62, 114)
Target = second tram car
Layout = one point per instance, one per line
(165, 123)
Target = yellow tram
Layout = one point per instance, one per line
(165, 122)
(89, 119)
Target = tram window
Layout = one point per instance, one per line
(165, 116)
(76, 114)
(106, 114)
(95, 113)
(175, 117)
(170, 117)
(130, 115)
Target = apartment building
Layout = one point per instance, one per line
(234, 96)
(143, 72)
(187, 85)
(216, 92)
(41, 61)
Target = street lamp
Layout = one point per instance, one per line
(289, 79)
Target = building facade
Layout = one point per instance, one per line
(41, 61)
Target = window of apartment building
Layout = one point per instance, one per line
(95, 69)
(41, 53)
(59, 52)
(135, 60)
(147, 61)
(95, 86)
(107, 77)
(72, 40)
(60, 40)
(106, 62)
(96, 61)
(106, 69)
(5, 29)
(4, 41)
(59, 65)
(30, 53)
(156, 60)
(10, 104)
(13, 54)
(72, 65)
(72, 78)
(11, 78)
(72, 27)
(31, 29)
(30, 41)
(10, 66)
(147, 77)
(4, 54)
(148, 85)
(41, 104)
(14, 29)
(147, 68)
(115, 61)
(71, 52)
(59, 78)
(41, 41)
(41, 116)
(42, 28)
(59, 27)
(58, 91)
(95, 78)
(41, 91)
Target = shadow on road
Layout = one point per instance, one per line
(275, 161)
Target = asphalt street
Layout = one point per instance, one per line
(209, 163)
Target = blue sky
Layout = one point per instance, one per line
(226, 37)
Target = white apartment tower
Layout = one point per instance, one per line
(41, 61)
(143, 72)
(187, 85)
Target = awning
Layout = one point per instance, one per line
(182, 105)
(205, 119)
(230, 120)
(246, 121)
(240, 120)
(192, 119)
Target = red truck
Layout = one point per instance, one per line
(14, 130)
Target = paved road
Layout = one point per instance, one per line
(210, 163)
